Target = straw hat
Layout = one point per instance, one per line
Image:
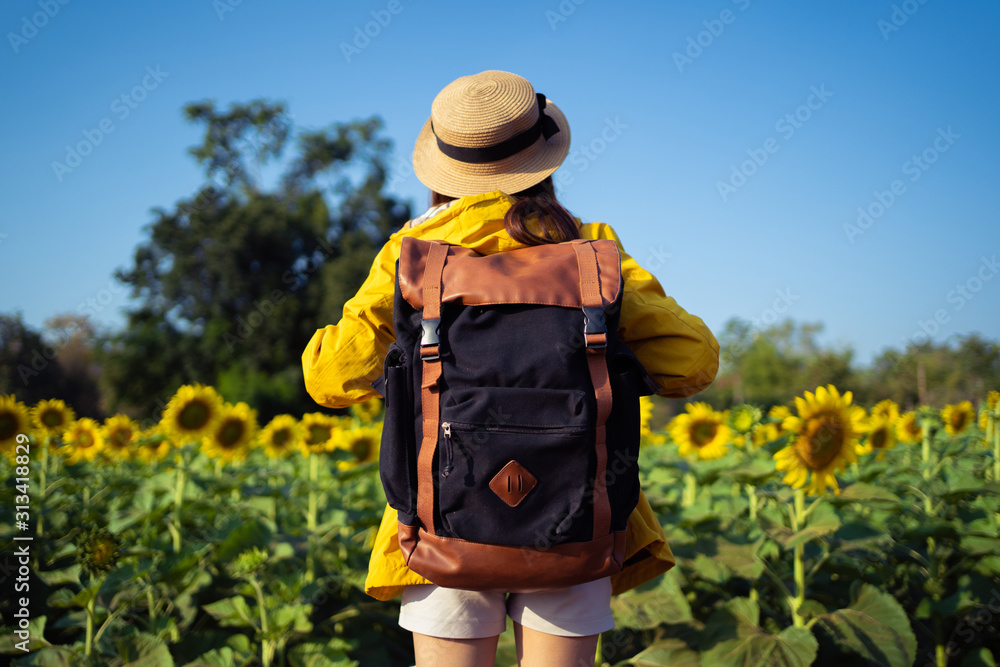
(490, 131)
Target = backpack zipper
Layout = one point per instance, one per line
(446, 429)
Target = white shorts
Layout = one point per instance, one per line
(452, 613)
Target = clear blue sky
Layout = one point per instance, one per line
(832, 99)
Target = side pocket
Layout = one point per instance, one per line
(629, 381)
(397, 456)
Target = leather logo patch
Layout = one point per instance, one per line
(513, 483)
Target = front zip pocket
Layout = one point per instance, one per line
(558, 462)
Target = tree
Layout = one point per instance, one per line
(233, 281)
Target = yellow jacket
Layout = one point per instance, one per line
(342, 360)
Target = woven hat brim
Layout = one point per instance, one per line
(518, 172)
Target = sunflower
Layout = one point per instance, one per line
(743, 418)
(881, 436)
(52, 416)
(907, 428)
(368, 411)
(230, 438)
(764, 433)
(887, 409)
(15, 420)
(84, 440)
(779, 412)
(151, 445)
(826, 432)
(958, 417)
(192, 413)
(993, 400)
(701, 430)
(282, 436)
(321, 432)
(98, 551)
(120, 434)
(362, 443)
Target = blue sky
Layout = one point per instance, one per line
(730, 143)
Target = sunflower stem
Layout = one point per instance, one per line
(178, 504)
(267, 645)
(151, 607)
(88, 645)
(996, 444)
(690, 489)
(797, 518)
(925, 449)
(311, 518)
(752, 498)
(42, 483)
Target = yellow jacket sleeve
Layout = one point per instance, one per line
(675, 347)
(342, 360)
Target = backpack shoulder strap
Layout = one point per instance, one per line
(596, 336)
(430, 343)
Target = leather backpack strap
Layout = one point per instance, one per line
(596, 336)
(430, 344)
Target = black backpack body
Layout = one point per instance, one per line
(511, 432)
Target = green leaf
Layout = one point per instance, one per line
(875, 627)
(219, 657)
(293, 617)
(735, 638)
(52, 657)
(646, 609)
(35, 640)
(311, 654)
(144, 650)
(673, 652)
(244, 535)
(862, 492)
(756, 472)
(823, 520)
(981, 658)
(232, 611)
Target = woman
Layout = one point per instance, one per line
(487, 154)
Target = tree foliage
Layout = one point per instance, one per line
(233, 281)
(768, 367)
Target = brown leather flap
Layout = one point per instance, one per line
(545, 275)
(488, 567)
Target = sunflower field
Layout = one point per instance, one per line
(817, 533)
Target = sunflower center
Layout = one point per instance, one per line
(879, 438)
(8, 425)
(102, 553)
(281, 437)
(230, 433)
(194, 415)
(822, 442)
(959, 420)
(703, 432)
(85, 441)
(119, 438)
(52, 418)
(361, 448)
(743, 421)
(318, 434)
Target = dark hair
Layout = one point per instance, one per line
(536, 217)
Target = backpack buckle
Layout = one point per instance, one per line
(430, 339)
(595, 331)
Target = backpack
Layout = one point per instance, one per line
(511, 433)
